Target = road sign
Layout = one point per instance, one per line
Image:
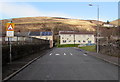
(10, 29)
(9, 33)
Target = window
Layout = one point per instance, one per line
(64, 41)
(62, 38)
(69, 40)
(78, 40)
(89, 41)
(83, 40)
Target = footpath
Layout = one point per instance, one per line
(107, 58)
(16, 66)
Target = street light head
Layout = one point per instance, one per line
(90, 5)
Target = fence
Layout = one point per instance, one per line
(22, 40)
(21, 47)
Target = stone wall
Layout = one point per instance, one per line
(112, 49)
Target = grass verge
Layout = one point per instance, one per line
(68, 45)
(89, 48)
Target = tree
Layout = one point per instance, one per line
(108, 22)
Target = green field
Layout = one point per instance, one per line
(89, 48)
(68, 45)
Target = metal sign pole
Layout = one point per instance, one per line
(10, 51)
(10, 34)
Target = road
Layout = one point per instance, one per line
(68, 64)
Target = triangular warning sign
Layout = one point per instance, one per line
(10, 27)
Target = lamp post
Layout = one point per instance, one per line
(97, 38)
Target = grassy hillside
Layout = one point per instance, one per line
(51, 23)
(116, 22)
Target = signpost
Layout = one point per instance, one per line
(10, 34)
(10, 29)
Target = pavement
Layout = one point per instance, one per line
(10, 69)
(68, 64)
(107, 58)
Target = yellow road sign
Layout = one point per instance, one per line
(10, 27)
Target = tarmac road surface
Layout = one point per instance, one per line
(68, 64)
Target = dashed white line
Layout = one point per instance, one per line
(50, 54)
(57, 54)
(71, 54)
(64, 54)
(85, 54)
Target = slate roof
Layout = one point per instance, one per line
(34, 34)
(70, 32)
(40, 33)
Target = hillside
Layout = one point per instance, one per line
(116, 22)
(51, 23)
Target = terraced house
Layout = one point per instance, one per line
(42, 35)
(71, 37)
(48, 35)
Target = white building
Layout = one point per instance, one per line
(71, 37)
(108, 25)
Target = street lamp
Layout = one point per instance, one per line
(97, 26)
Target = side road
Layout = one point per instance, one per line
(110, 59)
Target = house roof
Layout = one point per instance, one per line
(34, 34)
(76, 32)
(40, 33)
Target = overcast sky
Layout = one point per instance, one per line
(76, 10)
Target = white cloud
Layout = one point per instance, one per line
(16, 10)
(59, 0)
(13, 10)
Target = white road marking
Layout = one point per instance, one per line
(50, 54)
(85, 54)
(57, 54)
(64, 54)
(71, 54)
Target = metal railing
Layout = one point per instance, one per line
(21, 40)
